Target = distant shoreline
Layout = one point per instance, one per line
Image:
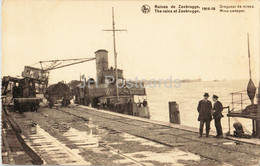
(188, 81)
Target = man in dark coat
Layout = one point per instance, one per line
(16, 91)
(204, 108)
(145, 103)
(17, 94)
(217, 115)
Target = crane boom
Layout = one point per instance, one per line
(59, 65)
(41, 75)
(66, 60)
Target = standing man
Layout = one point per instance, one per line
(204, 108)
(217, 115)
(17, 94)
(139, 104)
(145, 103)
(16, 90)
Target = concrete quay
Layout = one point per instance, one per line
(80, 135)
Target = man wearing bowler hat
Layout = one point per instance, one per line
(217, 115)
(204, 108)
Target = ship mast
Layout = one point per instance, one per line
(114, 43)
(249, 58)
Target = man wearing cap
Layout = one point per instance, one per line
(217, 115)
(204, 108)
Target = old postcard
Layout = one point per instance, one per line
(130, 82)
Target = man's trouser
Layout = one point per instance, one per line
(207, 127)
(218, 126)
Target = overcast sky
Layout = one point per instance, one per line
(185, 46)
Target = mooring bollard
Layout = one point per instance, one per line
(174, 113)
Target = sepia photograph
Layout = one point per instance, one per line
(170, 83)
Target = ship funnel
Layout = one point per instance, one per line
(101, 64)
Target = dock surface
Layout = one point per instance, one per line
(79, 135)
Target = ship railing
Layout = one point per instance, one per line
(240, 100)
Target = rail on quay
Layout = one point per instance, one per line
(16, 151)
(254, 141)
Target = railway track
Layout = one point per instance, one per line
(84, 115)
(228, 149)
(153, 140)
(107, 147)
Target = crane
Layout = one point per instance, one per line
(41, 75)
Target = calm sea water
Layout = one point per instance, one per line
(188, 96)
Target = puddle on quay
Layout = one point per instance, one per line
(92, 140)
(147, 157)
(51, 150)
(170, 157)
(82, 139)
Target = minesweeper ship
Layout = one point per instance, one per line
(110, 90)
